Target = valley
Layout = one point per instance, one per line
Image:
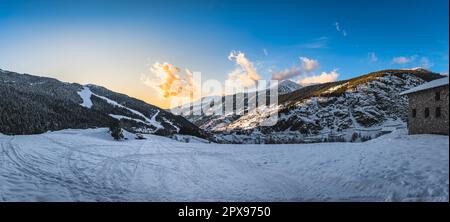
(88, 165)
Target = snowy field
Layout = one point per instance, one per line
(87, 165)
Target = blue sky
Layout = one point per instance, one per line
(113, 43)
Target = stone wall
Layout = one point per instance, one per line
(426, 99)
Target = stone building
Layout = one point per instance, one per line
(428, 107)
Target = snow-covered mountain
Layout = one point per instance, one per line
(32, 104)
(204, 103)
(351, 110)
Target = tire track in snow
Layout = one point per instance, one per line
(272, 182)
(85, 183)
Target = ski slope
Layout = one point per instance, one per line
(86, 94)
(87, 165)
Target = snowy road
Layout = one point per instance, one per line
(86, 165)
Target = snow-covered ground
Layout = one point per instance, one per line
(87, 165)
(86, 94)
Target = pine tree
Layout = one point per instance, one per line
(116, 131)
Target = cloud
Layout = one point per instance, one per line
(171, 81)
(307, 65)
(318, 43)
(265, 52)
(423, 61)
(401, 60)
(245, 72)
(322, 78)
(339, 29)
(287, 73)
(372, 57)
(426, 63)
(404, 59)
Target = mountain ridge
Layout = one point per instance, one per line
(335, 110)
(33, 104)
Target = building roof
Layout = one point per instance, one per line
(428, 85)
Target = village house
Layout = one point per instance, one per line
(428, 108)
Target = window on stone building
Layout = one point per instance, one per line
(438, 112)
(437, 96)
(427, 112)
(414, 112)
